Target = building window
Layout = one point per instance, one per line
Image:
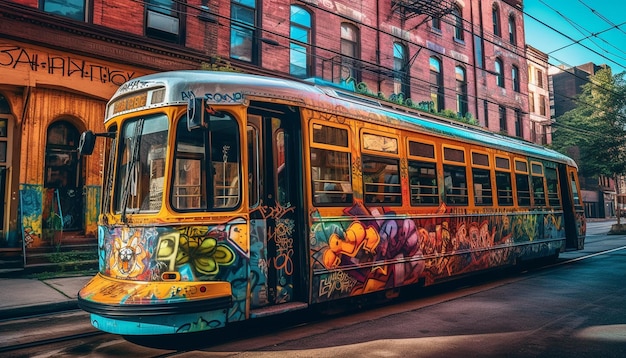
(458, 24)
(436, 23)
(515, 78)
(512, 30)
(243, 30)
(349, 52)
(502, 113)
(495, 17)
(461, 90)
(478, 48)
(486, 113)
(499, 73)
(531, 101)
(299, 46)
(519, 128)
(436, 84)
(542, 105)
(73, 9)
(400, 70)
(163, 20)
(540, 78)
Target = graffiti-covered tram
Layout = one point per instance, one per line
(229, 196)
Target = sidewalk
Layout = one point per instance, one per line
(25, 297)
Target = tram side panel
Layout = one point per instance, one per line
(374, 249)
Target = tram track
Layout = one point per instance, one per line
(49, 341)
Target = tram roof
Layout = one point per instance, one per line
(236, 88)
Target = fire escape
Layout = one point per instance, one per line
(406, 9)
(431, 8)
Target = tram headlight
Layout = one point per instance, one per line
(170, 276)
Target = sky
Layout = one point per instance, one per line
(575, 32)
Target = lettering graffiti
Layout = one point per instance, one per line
(235, 97)
(15, 57)
(337, 281)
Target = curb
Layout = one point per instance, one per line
(39, 309)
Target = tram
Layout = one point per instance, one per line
(228, 197)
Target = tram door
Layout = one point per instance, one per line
(275, 205)
(572, 207)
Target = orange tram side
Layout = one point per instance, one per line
(228, 197)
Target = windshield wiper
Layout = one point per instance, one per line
(135, 142)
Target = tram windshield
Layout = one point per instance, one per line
(205, 167)
(139, 180)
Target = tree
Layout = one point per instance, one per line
(596, 127)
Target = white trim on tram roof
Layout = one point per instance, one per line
(238, 88)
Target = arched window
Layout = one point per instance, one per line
(350, 52)
(512, 30)
(499, 73)
(495, 17)
(400, 70)
(515, 78)
(436, 83)
(300, 42)
(243, 16)
(461, 90)
(458, 23)
(62, 176)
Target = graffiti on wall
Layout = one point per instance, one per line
(30, 209)
(15, 57)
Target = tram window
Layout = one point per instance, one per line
(523, 189)
(381, 180)
(331, 179)
(224, 157)
(281, 162)
(254, 152)
(552, 183)
(504, 191)
(207, 177)
(539, 194)
(455, 184)
(522, 182)
(423, 183)
(330, 168)
(481, 179)
(139, 182)
(423, 150)
(574, 189)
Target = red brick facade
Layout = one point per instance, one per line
(128, 38)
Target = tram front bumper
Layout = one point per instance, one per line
(160, 307)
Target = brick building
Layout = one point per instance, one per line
(61, 60)
(538, 96)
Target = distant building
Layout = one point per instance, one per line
(566, 83)
(538, 96)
